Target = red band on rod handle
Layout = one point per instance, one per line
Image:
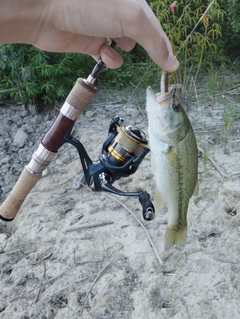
(78, 99)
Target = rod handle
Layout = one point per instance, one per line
(13, 202)
(81, 95)
(76, 102)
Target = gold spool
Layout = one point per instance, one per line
(127, 144)
(116, 154)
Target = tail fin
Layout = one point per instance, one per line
(175, 237)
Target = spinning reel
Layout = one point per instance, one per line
(122, 151)
(121, 154)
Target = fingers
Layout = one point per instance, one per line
(150, 35)
(126, 44)
(161, 54)
(89, 23)
(110, 57)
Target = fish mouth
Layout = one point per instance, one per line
(162, 98)
(157, 104)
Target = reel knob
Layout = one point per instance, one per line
(147, 205)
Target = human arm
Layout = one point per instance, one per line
(83, 26)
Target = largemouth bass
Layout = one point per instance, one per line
(174, 160)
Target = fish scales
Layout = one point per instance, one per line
(174, 162)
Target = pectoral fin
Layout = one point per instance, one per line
(165, 148)
(172, 156)
(158, 201)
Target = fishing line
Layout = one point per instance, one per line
(182, 45)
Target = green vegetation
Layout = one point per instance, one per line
(37, 76)
(31, 76)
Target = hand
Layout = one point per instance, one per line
(84, 25)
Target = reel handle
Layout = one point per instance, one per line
(148, 209)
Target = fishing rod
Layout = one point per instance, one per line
(116, 159)
(121, 154)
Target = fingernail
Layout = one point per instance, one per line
(109, 52)
(173, 63)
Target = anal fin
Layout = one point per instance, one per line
(158, 201)
(196, 189)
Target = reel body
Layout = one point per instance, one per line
(121, 154)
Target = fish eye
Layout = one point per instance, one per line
(176, 107)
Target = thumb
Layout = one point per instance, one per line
(110, 57)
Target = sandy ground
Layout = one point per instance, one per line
(120, 270)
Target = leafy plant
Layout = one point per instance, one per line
(193, 33)
(233, 10)
(36, 76)
(229, 44)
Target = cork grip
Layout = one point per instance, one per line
(11, 205)
(79, 98)
(81, 94)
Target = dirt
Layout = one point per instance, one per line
(120, 270)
